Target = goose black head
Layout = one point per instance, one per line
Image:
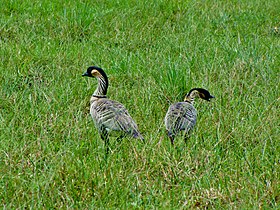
(94, 71)
(201, 93)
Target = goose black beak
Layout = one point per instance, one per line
(210, 97)
(86, 74)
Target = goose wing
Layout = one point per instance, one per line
(180, 116)
(112, 116)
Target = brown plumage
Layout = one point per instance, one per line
(108, 115)
(182, 116)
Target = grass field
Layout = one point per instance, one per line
(154, 52)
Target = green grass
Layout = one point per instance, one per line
(154, 52)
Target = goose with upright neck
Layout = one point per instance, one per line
(109, 116)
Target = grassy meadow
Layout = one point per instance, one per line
(154, 52)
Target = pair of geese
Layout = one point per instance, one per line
(110, 116)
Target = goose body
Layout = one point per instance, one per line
(181, 116)
(112, 117)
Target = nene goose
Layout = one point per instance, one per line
(109, 115)
(181, 116)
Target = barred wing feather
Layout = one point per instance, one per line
(180, 116)
(112, 116)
